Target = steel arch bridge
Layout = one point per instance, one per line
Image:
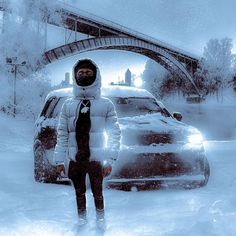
(104, 34)
(152, 51)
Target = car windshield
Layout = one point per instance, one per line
(125, 107)
(135, 106)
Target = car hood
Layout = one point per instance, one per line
(144, 129)
(156, 124)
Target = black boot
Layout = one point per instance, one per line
(100, 215)
(81, 203)
(99, 203)
(82, 218)
(81, 207)
(100, 219)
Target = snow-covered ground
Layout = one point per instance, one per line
(29, 208)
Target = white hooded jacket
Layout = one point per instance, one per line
(103, 120)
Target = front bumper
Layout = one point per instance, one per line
(172, 163)
(157, 180)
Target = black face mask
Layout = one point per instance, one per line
(84, 80)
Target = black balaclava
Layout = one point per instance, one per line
(85, 80)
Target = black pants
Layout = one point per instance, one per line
(77, 173)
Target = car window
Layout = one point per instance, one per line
(49, 105)
(133, 106)
(52, 107)
(57, 109)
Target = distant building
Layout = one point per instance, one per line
(64, 83)
(128, 77)
(127, 82)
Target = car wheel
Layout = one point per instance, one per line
(206, 173)
(43, 170)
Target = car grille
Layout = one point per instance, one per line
(146, 139)
(155, 164)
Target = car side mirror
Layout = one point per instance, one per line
(177, 116)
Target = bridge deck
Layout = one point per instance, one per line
(90, 24)
(87, 23)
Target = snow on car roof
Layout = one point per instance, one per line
(110, 91)
(125, 91)
(65, 92)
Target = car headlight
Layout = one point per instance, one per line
(195, 138)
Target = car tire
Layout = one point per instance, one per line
(206, 173)
(43, 170)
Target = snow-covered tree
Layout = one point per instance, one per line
(29, 94)
(163, 83)
(174, 84)
(153, 77)
(22, 41)
(216, 65)
(234, 64)
(24, 24)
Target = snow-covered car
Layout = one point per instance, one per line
(157, 149)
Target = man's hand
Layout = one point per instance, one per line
(60, 168)
(107, 168)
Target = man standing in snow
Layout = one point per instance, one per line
(81, 145)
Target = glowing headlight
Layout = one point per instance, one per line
(195, 139)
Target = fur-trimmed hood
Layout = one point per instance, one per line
(92, 91)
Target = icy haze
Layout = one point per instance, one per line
(34, 209)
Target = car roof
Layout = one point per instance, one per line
(106, 91)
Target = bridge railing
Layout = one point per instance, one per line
(125, 29)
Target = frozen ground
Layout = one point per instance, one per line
(33, 209)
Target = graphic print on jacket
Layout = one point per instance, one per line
(83, 126)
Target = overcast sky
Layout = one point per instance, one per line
(187, 24)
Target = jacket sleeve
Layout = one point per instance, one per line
(113, 133)
(62, 137)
